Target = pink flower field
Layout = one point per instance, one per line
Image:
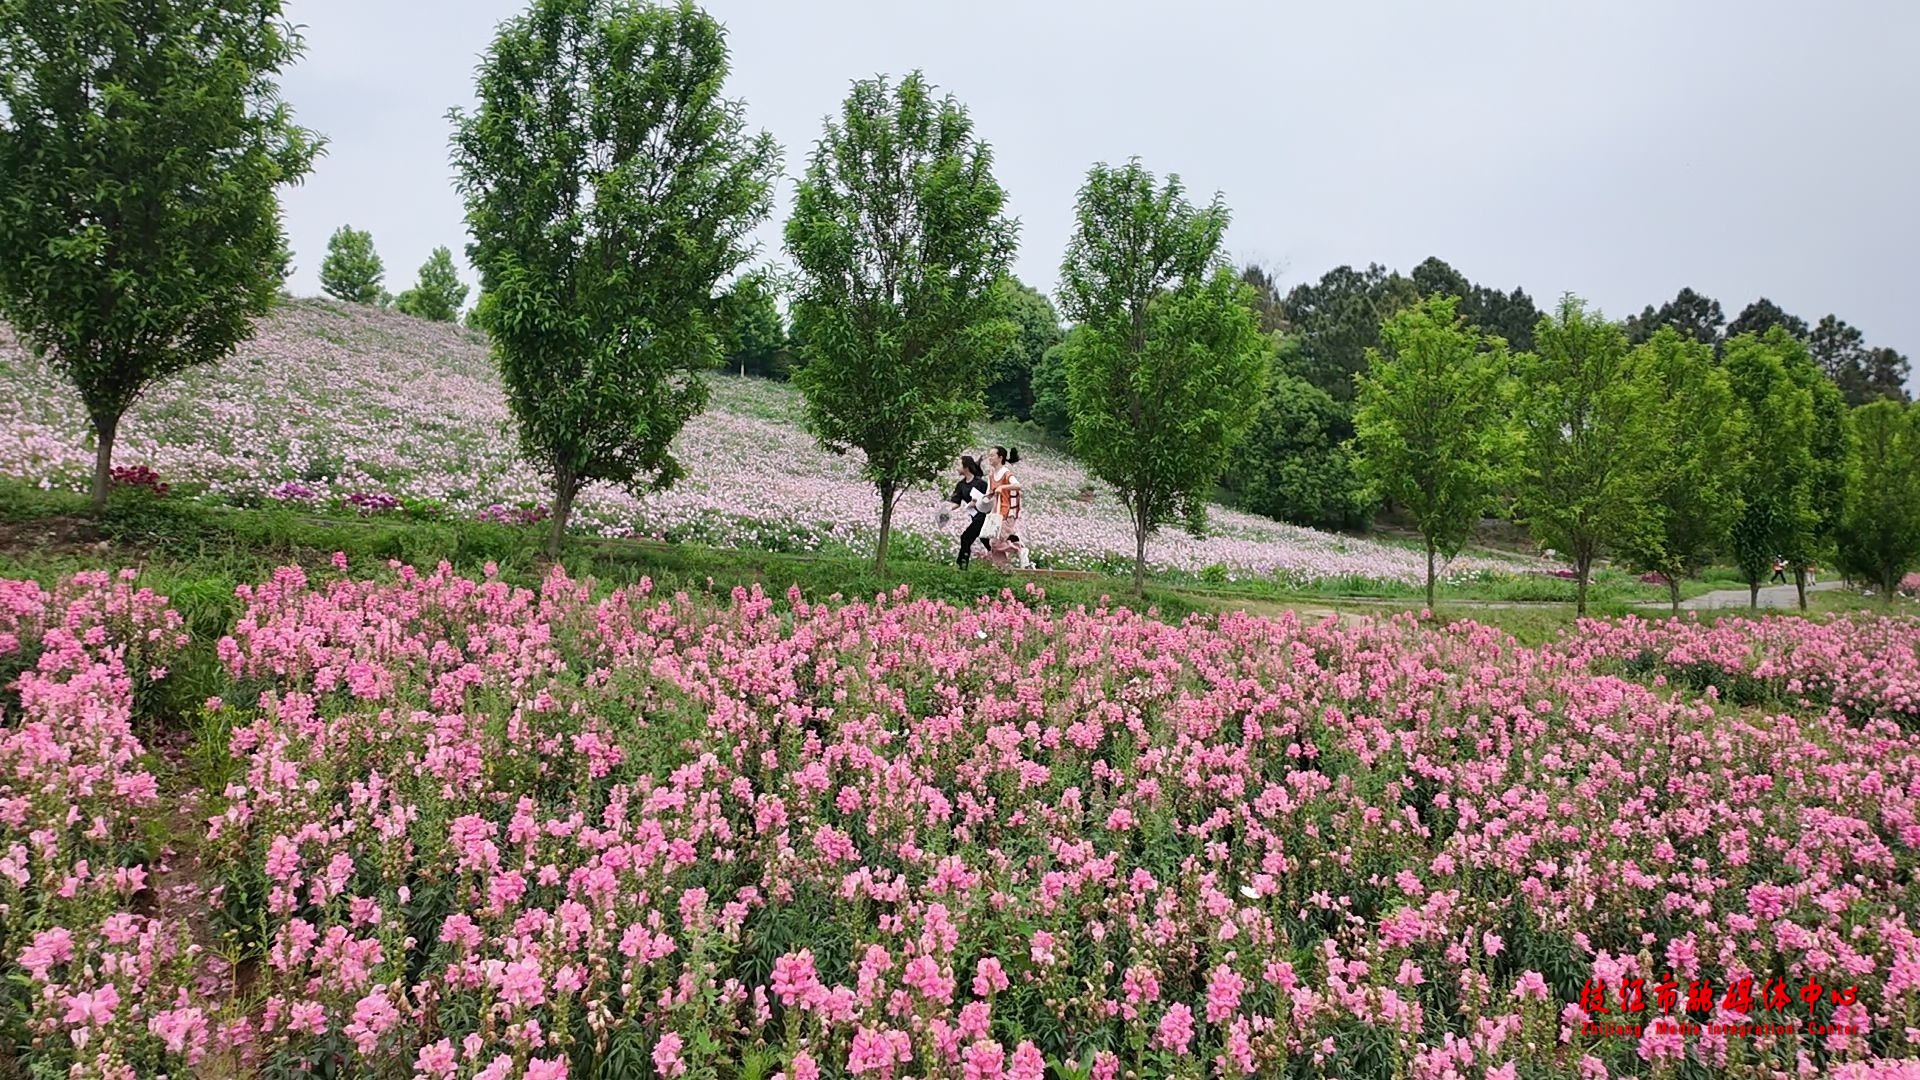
(331, 400)
(442, 827)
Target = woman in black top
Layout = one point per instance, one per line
(968, 493)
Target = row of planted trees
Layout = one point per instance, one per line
(1665, 455)
(611, 188)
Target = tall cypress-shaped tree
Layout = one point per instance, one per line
(609, 187)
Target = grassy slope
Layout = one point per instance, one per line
(345, 398)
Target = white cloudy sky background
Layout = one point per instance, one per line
(1619, 150)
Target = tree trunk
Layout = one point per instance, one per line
(562, 510)
(1583, 567)
(1673, 588)
(1429, 574)
(886, 528)
(1800, 585)
(1753, 596)
(1140, 560)
(104, 431)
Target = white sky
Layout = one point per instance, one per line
(1619, 150)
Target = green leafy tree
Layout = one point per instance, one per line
(1776, 513)
(1886, 375)
(1296, 463)
(1052, 406)
(1430, 423)
(1583, 428)
(1338, 319)
(1168, 361)
(1763, 315)
(609, 187)
(142, 145)
(1691, 314)
(1010, 389)
(1829, 443)
(352, 270)
(1879, 535)
(898, 235)
(1509, 316)
(756, 336)
(439, 293)
(476, 317)
(1691, 476)
(1863, 374)
(1268, 302)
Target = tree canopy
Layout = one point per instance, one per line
(1430, 423)
(1689, 313)
(1879, 533)
(352, 270)
(1584, 438)
(609, 187)
(1010, 384)
(899, 238)
(439, 293)
(1167, 361)
(1692, 471)
(143, 146)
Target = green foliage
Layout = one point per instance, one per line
(1052, 406)
(1509, 316)
(1268, 303)
(1165, 368)
(1583, 430)
(1693, 316)
(1429, 423)
(609, 187)
(439, 293)
(898, 236)
(754, 335)
(1296, 462)
(1829, 441)
(352, 270)
(1338, 320)
(142, 145)
(1879, 533)
(1010, 392)
(1776, 515)
(1691, 482)
(1763, 315)
(1862, 374)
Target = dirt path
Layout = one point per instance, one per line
(1773, 596)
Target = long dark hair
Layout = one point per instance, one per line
(1006, 455)
(972, 466)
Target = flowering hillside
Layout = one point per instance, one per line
(461, 830)
(331, 401)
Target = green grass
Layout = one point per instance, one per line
(197, 552)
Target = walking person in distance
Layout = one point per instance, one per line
(1004, 487)
(970, 495)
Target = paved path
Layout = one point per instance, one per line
(1772, 596)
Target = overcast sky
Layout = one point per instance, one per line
(1617, 149)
